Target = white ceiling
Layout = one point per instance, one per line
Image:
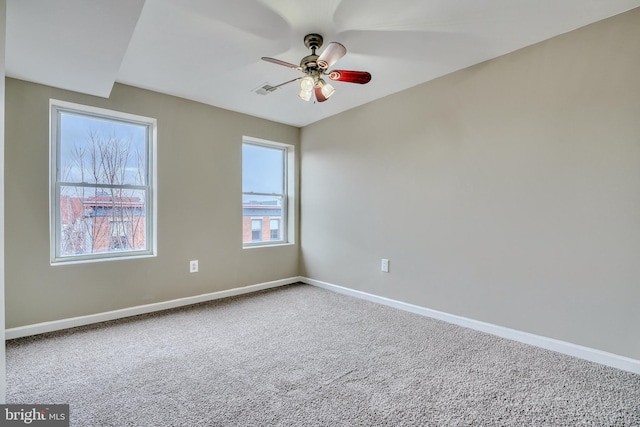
(209, 50)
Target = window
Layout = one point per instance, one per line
(102, 184)
(256, 230)
(274, 229)
(266, 186)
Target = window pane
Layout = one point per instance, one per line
(265, 186)
(101, 220)
(99, 151)
(260, 210)
(262, 169)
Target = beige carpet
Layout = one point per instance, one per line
(303, 356)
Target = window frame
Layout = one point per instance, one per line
(58, 107)
(287, 219)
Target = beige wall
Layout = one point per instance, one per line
(199, 209)
(508, 192)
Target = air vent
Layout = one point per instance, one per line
(265, 89)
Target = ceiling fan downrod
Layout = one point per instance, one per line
(309, 63)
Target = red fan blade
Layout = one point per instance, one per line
(349, 76)
(330, 55)
(319, 96)
(283, 63)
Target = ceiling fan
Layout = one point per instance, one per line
(315, 67)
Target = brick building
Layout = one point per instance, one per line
(261, 221)
(101, 224)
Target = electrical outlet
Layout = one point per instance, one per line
(193, 266)
(384, 266)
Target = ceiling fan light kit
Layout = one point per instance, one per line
(326, 88)
(306, 88)
(315, 66)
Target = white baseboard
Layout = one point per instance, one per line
(586, 353)
(56, 325)
(581, 352)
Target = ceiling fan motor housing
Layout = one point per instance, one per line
(310, 62)
(313, 41)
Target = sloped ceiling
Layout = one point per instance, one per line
(209, 50)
